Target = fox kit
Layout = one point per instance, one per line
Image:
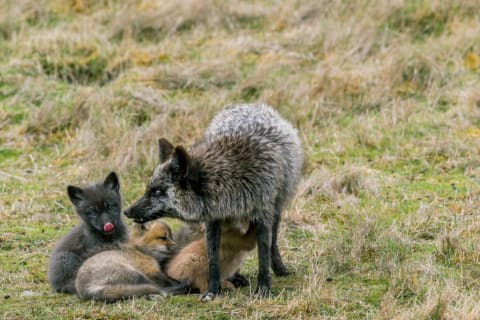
(133, 270)
(191, 262)
(246, 166)
(191, 231)
(188, 233)
(99, 207)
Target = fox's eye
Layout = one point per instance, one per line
(157, 192)
(92, 212)
(108, 206)
(162, 238)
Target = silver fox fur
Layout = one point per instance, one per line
(247, 165)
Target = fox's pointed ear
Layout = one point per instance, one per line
(75, 194)
(111, 182)
(184, 167)
(165, 149)
(181, 162)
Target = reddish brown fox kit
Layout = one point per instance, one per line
(132, 270)
(191, 263)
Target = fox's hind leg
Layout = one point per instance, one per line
(132, 284)
(277, 264)
(264, 244)
(183, 287)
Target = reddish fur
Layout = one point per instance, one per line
(191, 263)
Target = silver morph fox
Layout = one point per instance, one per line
(246, 166)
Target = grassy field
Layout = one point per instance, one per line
(386, 99)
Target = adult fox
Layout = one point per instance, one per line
(246, 166)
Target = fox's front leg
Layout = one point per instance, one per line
(264, 244)
(212, 233)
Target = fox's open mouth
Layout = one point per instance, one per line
(149, 217)
(140, 220)
(145, 219)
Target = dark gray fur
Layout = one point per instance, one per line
(87, 237)
(247, 165)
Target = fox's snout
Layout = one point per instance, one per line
(132, 214)
(148, 208)
(140, 211)
(128, 213)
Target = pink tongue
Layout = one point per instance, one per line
(107, 227)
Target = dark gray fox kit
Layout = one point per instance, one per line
(246, 166)
(99, 207)
(131, 270)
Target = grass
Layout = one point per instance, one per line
(385, 98)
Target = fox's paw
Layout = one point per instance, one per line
(166, 294)
(227, 285)
(263, 292)
(281, 271)
(157, 296)
(238, 280)
(278, 267)
(206, 297)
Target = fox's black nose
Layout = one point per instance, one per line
(128, 213)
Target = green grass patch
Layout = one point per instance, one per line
(419, 19)
(6, 154)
